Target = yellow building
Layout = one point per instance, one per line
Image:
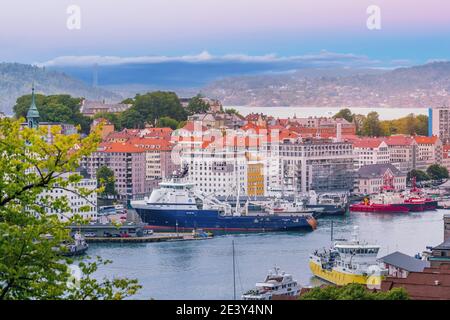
(255, 176)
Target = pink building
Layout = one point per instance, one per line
(128, 163)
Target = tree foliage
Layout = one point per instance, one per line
(106, 180)
(344, 114)
(150, 107)
(437, 172)
(353, 291)
(371, 125)
(197, 105)
(55, 108)
(419, 175)
(164, 122)
(31, 264)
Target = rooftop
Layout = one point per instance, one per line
(378, 170)
(405, 262)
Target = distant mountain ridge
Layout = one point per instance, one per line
(419, 87)
(16, 80)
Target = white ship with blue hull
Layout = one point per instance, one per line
(178, 206)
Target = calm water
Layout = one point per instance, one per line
(203, 269)
(284, 112)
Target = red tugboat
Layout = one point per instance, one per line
(389, 201)
(417, 201)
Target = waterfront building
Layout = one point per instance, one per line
(399, 265)
(218, 167)
(316, 164)
(128, 163)
(158, 161)
(255, 176)
(441, 253)
(84, 206)
(371, 178)
(370, 151)
(402, 152)
(429, 151)
(439, 123)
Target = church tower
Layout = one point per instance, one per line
(33, 113)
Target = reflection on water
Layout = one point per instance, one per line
(204, 269)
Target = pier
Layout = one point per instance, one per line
(157, 237)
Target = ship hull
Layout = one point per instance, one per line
(211, 220)
(336, 277)
(382, 208)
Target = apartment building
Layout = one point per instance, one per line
(128, 163)
(84, 206)
(439, 123)
(316, 164)
(429, 151)
(403, 152)
(370, 151)
(218, 167)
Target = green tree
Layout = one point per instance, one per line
(106, 180)
(167, 122)
(55, 108)
(150, 107)
(131, 119)
(437, 172)
(233, 111)
(344, 114)
(371, 126)
(31, 262)
(197, 105)
(418, 174)
(353, 291)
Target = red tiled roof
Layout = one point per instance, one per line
(431, 284)
(120, 147)
(425, 139)
(367, 143)
(399, 140)
(151, 143)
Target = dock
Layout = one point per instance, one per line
(156, 237)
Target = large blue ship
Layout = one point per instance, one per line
(178, 206)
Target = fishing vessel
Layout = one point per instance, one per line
(178, 205)
(329, 204)
(348, 261)
(276, 283)
(76, 248)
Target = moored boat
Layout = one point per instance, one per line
(348, 261)
(178, 206)
(276, 283)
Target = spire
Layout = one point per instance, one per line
(33, 113)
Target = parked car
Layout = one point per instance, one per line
(90, 234)
(125, 235)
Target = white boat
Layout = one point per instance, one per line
(276, 283)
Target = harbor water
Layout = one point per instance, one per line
(204, 269)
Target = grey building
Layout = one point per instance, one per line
(317, 164)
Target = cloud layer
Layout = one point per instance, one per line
(321, 58)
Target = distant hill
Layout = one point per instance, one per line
(420, 86)
(16, 80)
